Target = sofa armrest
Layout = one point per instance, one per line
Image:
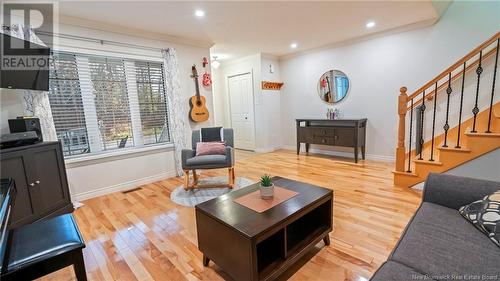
(185, 155)
(454, 192)
(230, 156)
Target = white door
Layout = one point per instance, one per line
(242, 115)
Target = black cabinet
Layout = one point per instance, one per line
(338, 132)
(40, 176)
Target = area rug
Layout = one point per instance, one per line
(196, 196)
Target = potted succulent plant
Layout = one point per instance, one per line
(266, 187)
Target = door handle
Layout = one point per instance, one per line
(37, 182)
(32, 184)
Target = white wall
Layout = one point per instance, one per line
(377, 68)
(220, 108)
(96, 177)
(485, 167)
(470, 86)
(271, 103)
(250, 64)
(11, 106)
(267, 106)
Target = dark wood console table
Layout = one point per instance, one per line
(337, 132)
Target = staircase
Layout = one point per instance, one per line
(452, 119)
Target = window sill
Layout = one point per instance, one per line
(116, 155)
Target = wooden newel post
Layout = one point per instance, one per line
(401, 150)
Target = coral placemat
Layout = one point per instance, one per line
(253, 201)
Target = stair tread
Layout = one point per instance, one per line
(452, 148)
(424, 161)
(411, 174)
(483, 134)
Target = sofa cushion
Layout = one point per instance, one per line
(485, 215)
(440, 242)
(393, 271)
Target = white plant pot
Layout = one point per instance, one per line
(267, 192)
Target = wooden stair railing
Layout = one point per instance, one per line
(429, 92)
(444, 84)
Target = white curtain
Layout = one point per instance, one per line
(20, 31)
(177, 106)
(37, 104)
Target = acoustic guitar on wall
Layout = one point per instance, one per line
(198, 111)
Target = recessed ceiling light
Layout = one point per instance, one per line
(294, 45)
(370, 24)
(199, 13)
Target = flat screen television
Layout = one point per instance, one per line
(34, 77)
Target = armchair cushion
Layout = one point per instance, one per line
(191, 162)
(227, 136)
(211, 148)
(211, 134)
(207, 160)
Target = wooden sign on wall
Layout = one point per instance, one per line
(267, 85)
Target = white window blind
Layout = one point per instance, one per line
(66, 104)
(107, 103)
(152, 101)
(111, 102)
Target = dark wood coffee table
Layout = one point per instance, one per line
(249, 245)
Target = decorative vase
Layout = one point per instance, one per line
(267, 192)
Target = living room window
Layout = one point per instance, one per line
(109, 90)
(66, 104)
(152, 101)
(101, 104)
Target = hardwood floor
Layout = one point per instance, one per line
(142, 235)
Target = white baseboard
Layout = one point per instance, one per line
(121, 186)
(150, 179)
(344, 154)
(267, 150)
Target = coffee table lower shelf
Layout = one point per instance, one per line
(277, 267)
(267, 255)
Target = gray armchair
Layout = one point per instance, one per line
(191, 162)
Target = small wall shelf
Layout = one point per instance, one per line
(267, 85)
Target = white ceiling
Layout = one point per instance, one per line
(242, 28)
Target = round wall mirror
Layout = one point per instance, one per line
(333, 86)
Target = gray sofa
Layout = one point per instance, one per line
(438, 243)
